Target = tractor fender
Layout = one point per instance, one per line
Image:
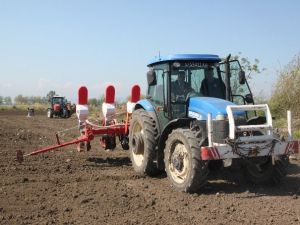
(147, 106)
(173, 124)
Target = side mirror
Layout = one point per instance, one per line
(242, 77)
(151, 77)
(249, 98)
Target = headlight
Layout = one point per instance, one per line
(195, 115)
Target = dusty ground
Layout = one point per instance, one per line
(99, 187)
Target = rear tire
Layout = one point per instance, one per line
(184, 167)
(143, 136)
(262, 171)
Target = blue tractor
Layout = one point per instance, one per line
(199, 115)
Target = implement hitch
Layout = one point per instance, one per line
(21, 155)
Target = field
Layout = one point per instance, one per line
(100, 187)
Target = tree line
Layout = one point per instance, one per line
(23, 100)
(31, 100)
(5, 100)
(27, 100)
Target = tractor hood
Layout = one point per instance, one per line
(199, 107)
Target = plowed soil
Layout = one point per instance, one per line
(100, 187)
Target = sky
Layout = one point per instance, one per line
(62, 44)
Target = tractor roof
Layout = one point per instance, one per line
(187, 57)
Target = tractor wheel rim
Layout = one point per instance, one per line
(137, 143)
(179, 163)
(139, 155)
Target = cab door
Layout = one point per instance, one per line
(158, 95)
(240, 92)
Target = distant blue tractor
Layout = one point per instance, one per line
(198, 116)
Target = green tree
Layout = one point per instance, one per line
(100, 100)
(50, 95)
(1, 100)
(44, 100)
(286, 93)
(96, 101)
(8, 100)
(248, 65)
(93, 101)
(37, 99)
(21, 100)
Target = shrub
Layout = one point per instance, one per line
(286, 95)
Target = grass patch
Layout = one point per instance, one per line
(296, 134)
(36, 106)
(280, 123)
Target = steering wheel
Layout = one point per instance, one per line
(191, 93)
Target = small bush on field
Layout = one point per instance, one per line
(286, 95)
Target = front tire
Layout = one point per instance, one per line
(143, 136)
(262, 171)
(184, 167)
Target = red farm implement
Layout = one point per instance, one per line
(108, 131)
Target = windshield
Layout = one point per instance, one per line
(202, 80)
(57, 100)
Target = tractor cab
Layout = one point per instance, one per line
(175, 80)
(57, 100)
